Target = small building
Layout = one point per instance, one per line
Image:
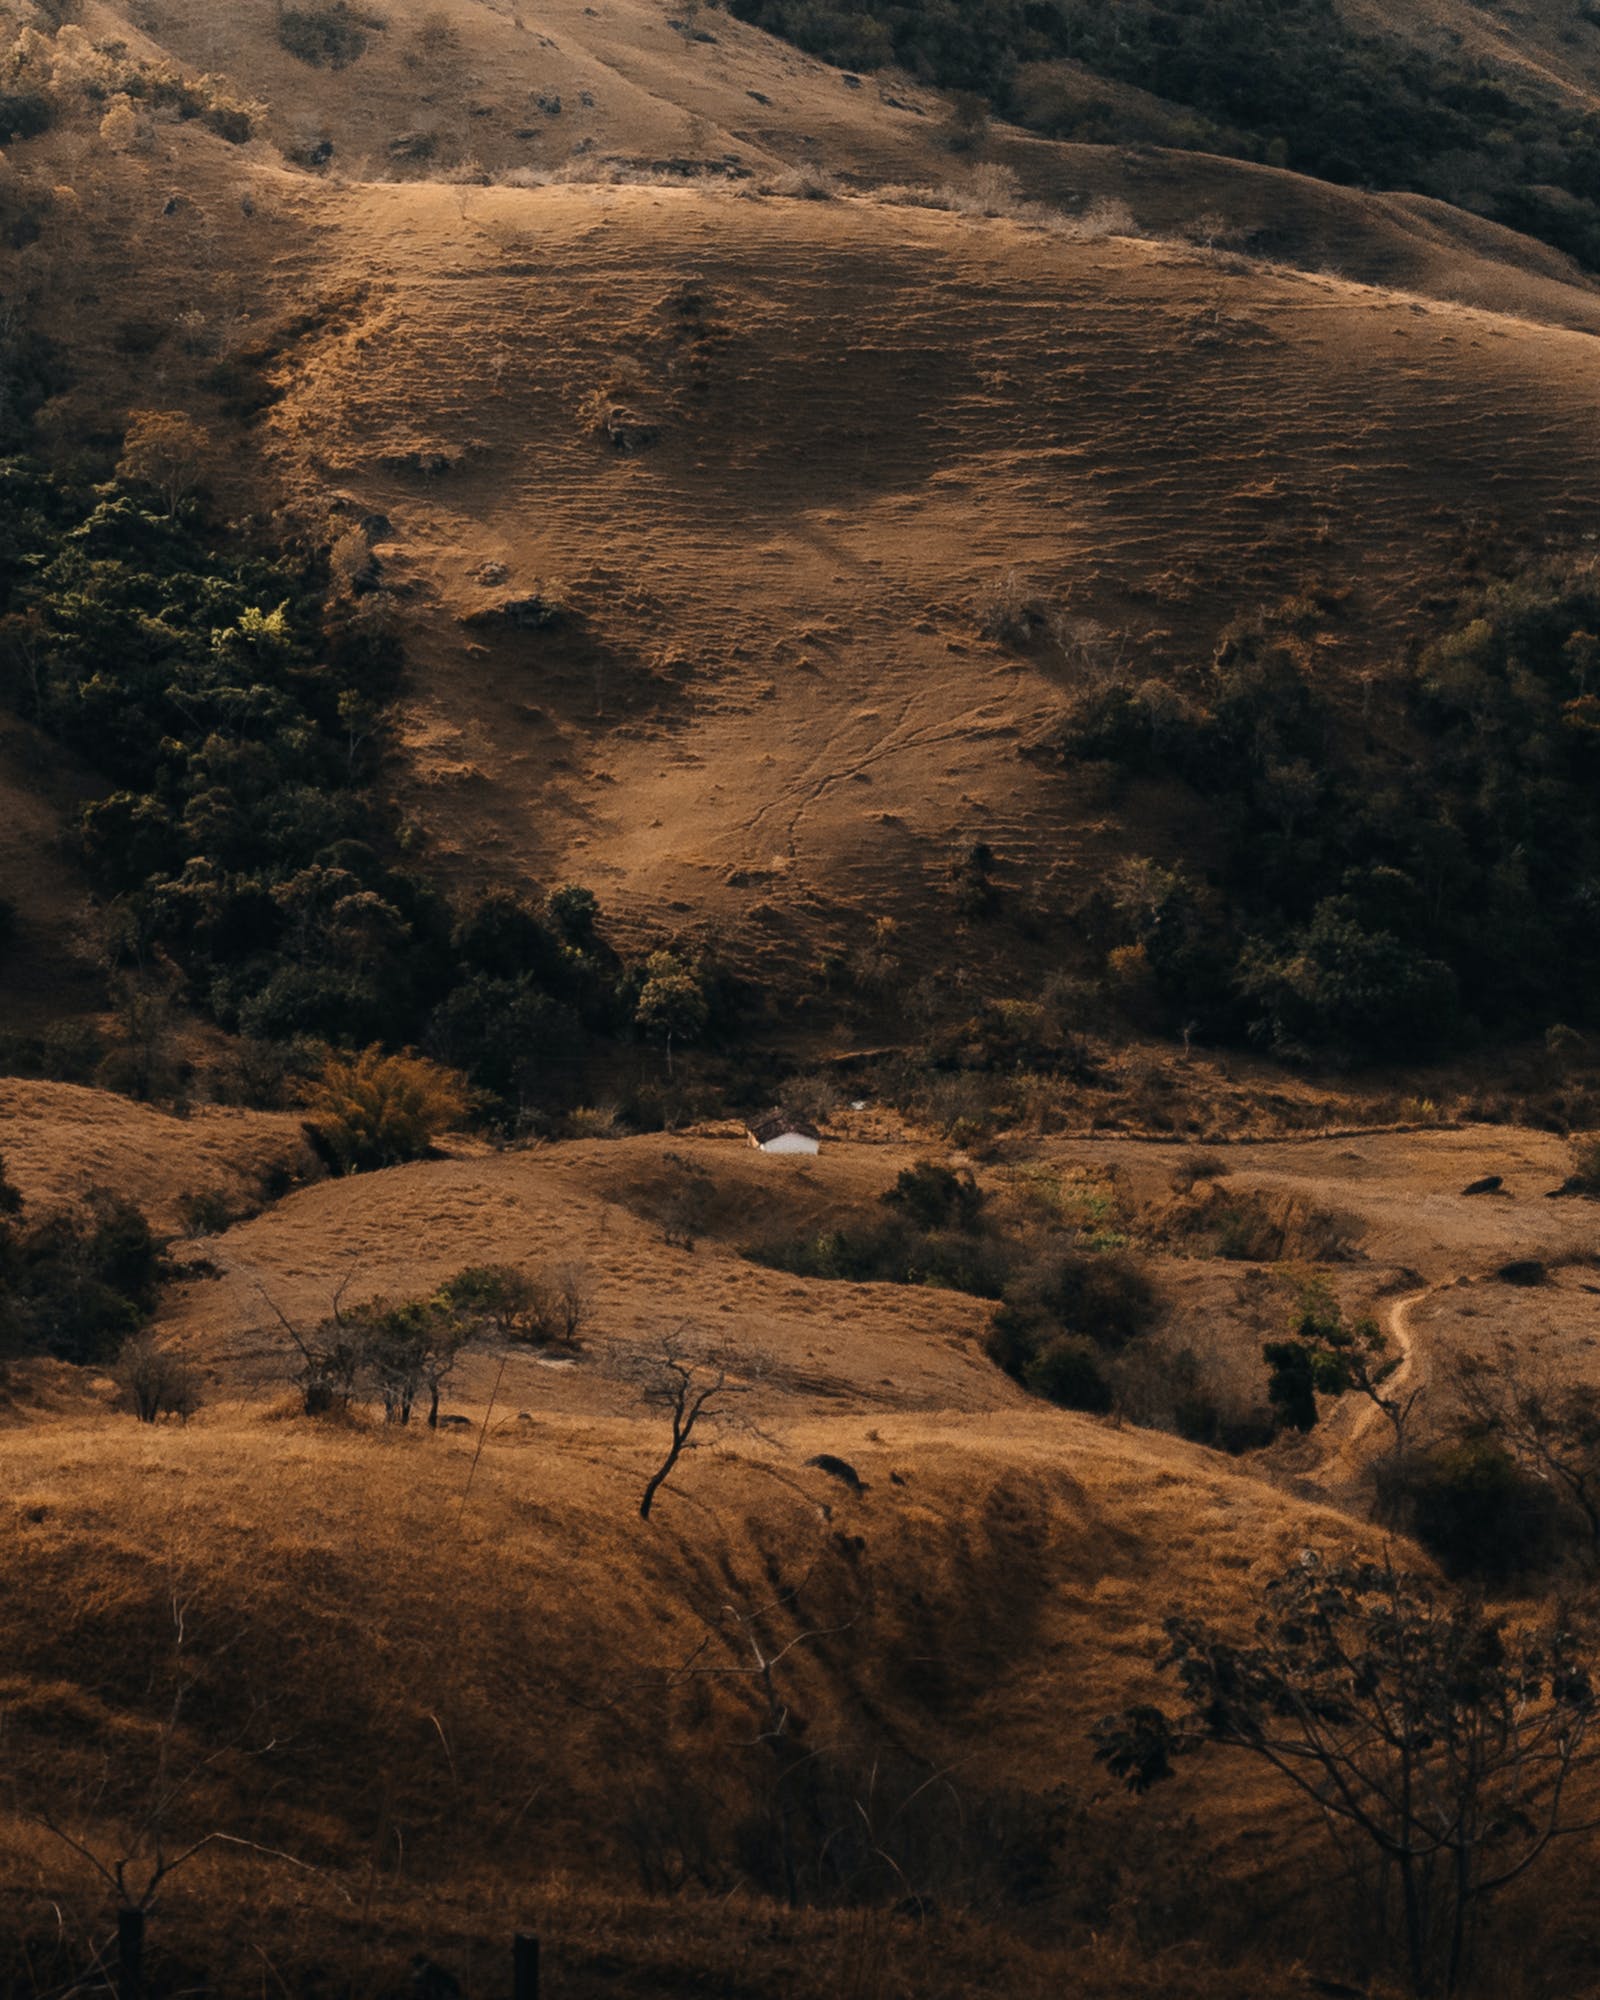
(779, 1133)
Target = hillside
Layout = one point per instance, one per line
(340, 1602)
(901, 417)
(568, 572)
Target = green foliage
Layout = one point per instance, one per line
(534, 1308)
(75, 1282)
(1294, 84)
(1473, 1507)
(1325, 1355)
(936, 1197)
(1292, 1384)
(1062, 1314)
(1383, 888)
(237, 714)
(408, 1350)
(672, 1005)
(500, 1296)
(1105, 1296)
(65, 1052)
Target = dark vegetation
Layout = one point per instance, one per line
(75, 1282)
(1392, 882)
(235, 701)
(1291, 84)
(336, 35)
(1061, 1312)
(402, 1352)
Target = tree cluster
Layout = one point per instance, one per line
(1288, 82)
(236, 703)
(400, 1353)
(1390, 883)
(75, 1282)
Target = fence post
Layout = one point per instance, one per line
(130, 1955)
(525, 1967)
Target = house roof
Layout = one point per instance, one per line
(779, 1125)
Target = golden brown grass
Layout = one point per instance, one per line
(450, 1709)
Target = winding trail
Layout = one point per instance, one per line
(1353, 1455)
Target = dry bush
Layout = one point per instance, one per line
(336, 34)
(802, 183)
(436, 38)
(595, 1121)
(1251, 1227)
(166, 450)
(1197, 1164)
(375, 1110)
(153, 1382)
(994, 192)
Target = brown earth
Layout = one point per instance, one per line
(860, 426)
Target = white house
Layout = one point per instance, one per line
(779, 1133)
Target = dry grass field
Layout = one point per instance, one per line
(697, 413)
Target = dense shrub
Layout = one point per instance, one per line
(24, 114)
(1472, 1506)
(932, 1196)
(1383, 888)
(74, 1282)
(336, 34)
(375, 1110)
(1068, 1372)
(65, 1052)
(1105, 1296)
(1063, 1314)
(237, 711)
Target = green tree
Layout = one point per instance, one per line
(672, 1005)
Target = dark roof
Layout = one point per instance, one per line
(777, 1124)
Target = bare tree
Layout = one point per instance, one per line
(154, 1381)
(151, 1817)
(1426, 1731)
(329, 1356)
(689, 1392)
(755, 1661)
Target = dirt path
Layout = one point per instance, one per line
(1356, 1452)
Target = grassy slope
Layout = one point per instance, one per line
(906, 406)
(438, 1675)
(882, 412)
(471, 1675)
